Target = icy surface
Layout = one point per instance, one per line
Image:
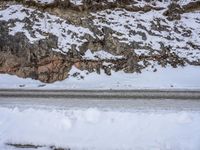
(95, 129)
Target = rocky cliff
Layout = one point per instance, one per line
(43, 39)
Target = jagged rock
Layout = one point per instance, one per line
(192, 6)
(107, 70)
(20, 57)
(132, 65)
(174, 12)
(44, 60)
(63, 3)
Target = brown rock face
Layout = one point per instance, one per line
(49, 69)
(53, 69)
(38, 61)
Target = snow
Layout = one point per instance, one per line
(163, 3)
(43, 1)
(76, 2)
(92, 127)
(139, 3)
(185, 2)
(128, 27)
(96, 129)
(7, 14)
(100, 55)
(141, 51)
(67, 33)
(164, 78)
(122, 21)
(137, 27)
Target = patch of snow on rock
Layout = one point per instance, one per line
(43, 25)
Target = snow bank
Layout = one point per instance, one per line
(96, 129)
(164, 78)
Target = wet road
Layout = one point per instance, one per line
(103, 94)
(114, 104)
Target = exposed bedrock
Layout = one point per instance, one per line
(47, 42)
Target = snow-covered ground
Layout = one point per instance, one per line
(164, 78)
(96, 129)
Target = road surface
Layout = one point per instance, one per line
(103, 99)
(103, 94)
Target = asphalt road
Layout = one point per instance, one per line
(112, 99)
(103, 94)
(104, 105)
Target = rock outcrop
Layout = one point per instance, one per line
(96, 36)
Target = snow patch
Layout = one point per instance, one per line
(100, 55)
